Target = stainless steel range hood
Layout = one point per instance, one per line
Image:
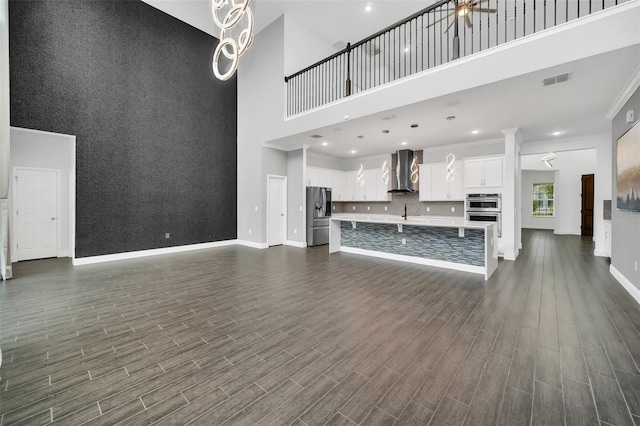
(403, 184)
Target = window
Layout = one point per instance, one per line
(543, 199)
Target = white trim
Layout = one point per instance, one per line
(600, 253)
(625, 94)
(631, 289)
(295, 244)
(63, 253)
(16, 207)
(284, 217)
(511, 256)
(419, 260)
(252, 244)
(41, 131)
(461, 145)
(566, 232)
(146, 253)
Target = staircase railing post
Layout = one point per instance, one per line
(348, 82)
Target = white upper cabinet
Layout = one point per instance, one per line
(338, 190)
(434, 185)
(481, 173)
(344, 186)
(425, 183)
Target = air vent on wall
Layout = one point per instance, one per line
(560, 78)
(316, 136)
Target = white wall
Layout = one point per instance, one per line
(260, 109)
(37, 149)
(530, 177)
(302, 48)
(571, 165)
(5, 268)
(463, 150)
(296, 230)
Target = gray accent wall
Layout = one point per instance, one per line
(156, 131)
(625, 225)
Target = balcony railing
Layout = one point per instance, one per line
(440, 33)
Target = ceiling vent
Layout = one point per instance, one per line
(316, 136)
(560, 78)
(388, 117)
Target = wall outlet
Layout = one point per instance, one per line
(635, 265)
(385, 208)
(301, 208)
(354, 207)
(428, 209)
(460, 232)
(249, 231)
(256, 208)
(295, 230)
(404, 241)
(368, 208)
(334, 207)
(453, 209)
(167, 236)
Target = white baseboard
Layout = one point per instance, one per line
(252, 244)
(418, 260)
(511, 256)
(64, 253)
(600, 253)
(631, 289)
(153, 252)
(295, 243)
(566, 232)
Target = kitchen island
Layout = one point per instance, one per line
(443, 242)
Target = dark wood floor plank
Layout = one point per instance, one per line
(129, 341)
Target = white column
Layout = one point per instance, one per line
(511, 196)
(5, 175)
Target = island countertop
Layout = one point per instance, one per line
(436, 221)
(428, 240)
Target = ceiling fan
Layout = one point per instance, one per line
(462, 10)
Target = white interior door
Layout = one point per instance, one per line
(36, 192)
(277, 208)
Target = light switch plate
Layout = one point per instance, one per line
(453, 209)
(428, 209)
(630, 116)
(354, 207)
(385, 208)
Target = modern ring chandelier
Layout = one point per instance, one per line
(230, 47)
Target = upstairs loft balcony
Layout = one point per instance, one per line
(443, 32)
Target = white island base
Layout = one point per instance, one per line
(442, 242)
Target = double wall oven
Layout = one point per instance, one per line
(485, 208)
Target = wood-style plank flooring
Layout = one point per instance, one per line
(297, 336)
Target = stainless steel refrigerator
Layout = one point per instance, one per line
(318, 215)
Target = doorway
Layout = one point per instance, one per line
(276, 210)
(587, 205)
(37, 203)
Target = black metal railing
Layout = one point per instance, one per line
(438, 34)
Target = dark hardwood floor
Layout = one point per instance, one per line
(297, 336)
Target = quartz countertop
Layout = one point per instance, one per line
(437, 221)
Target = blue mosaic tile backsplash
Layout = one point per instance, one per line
(427, 242)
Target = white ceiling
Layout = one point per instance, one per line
(577, 107)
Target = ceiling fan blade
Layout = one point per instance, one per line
(450, 25)
(479, 9)
(467, 20)
(430, 24)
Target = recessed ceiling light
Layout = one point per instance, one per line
(451, 117)
(403, 143)
(413, 126)
(360, 136)
(353, 151)
(346, 117)
(557, 133)
(367, 8)
(475, 132)
(385, 131)
(325, 143)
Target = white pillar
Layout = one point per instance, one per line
(511, 194)
(5, 175)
